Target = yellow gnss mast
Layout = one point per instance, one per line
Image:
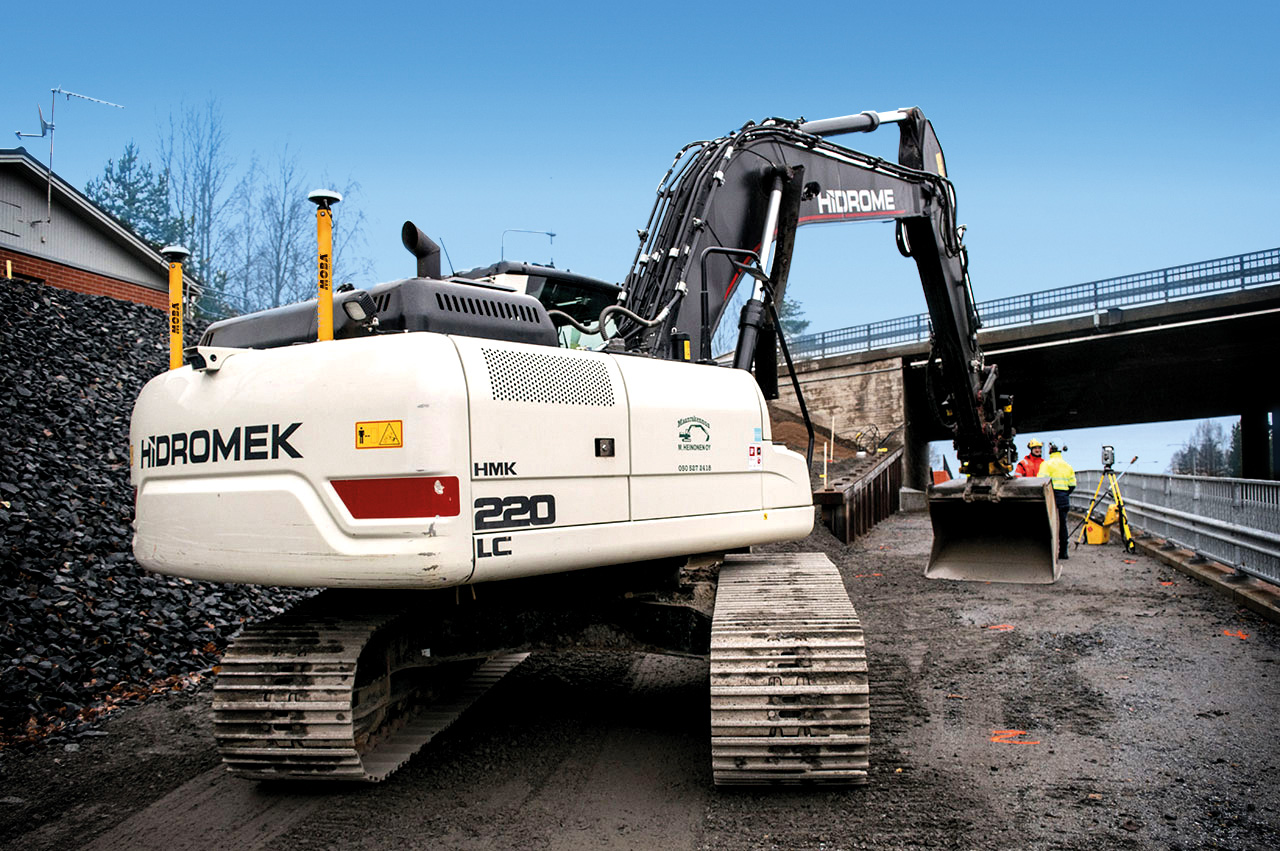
(324, 199)
(175, 254)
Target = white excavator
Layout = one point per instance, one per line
(518, 458)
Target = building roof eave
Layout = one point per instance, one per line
(73, 197)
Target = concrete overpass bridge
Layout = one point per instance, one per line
(1187, 342)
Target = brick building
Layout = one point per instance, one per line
(50, 232)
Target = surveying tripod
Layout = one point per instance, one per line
(1112, 481)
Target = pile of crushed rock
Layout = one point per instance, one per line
(83, 629)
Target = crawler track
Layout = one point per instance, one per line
(314, 697)
(789, 695)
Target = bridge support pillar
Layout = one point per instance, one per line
(1255, 455)
(915, 464)
(1275, 444)
(915, 444)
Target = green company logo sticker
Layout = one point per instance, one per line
(694, 433)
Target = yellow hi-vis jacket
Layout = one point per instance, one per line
(1062, 473)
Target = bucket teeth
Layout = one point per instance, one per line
(789, 691)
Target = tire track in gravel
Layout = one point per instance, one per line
(645, 783)
(579, 751)
(217, 809)
(211, 810)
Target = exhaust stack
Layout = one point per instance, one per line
(424, 248)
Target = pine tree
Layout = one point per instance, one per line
(790, 315)
(1235, 457)
(132, 192)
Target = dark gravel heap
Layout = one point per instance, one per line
(83, 628)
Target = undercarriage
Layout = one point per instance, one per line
(349, 685)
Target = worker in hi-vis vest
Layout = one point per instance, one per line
(1064, 482)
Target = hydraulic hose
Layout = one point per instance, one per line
(559, 317)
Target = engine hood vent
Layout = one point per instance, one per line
(415, 304)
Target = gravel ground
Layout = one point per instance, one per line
(1148, 723)
(1125, 706)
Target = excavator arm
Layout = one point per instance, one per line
(740, 196)
(726, 205)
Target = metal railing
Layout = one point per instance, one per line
(1177, 282)
(1232, 521)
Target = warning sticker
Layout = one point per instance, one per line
(754, 451)
(380, 434)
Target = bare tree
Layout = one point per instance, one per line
(286, 238)
(194, 153)
(1204, 453)
(252, 242)
(243, 261)
(350, 247)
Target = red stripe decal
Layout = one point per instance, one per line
(417, 496)
(737, 276)
(835, 217)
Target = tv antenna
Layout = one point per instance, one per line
(46, 128)
(503, 253)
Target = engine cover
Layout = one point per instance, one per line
(415, 304)
(424, 460)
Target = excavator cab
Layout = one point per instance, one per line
(579, 296)
(994, 529)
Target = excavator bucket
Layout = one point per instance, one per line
(994, 529)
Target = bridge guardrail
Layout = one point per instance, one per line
(1238, 272)
(1232, 521)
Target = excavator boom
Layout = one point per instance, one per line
(726, 206)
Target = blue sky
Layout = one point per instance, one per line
(1086, 140)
